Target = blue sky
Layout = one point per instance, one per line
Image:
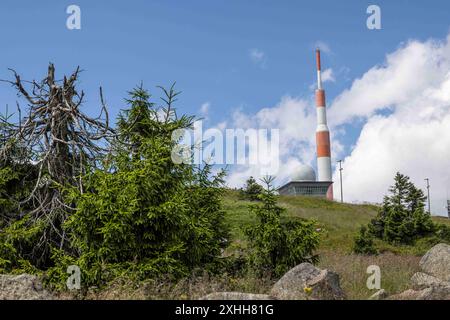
(205, 46)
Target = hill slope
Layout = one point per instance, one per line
(339, 224)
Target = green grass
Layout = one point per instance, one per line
(443, 220)
(339, 223)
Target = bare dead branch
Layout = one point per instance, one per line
(63, 143)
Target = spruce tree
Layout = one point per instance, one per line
(276, 245)
(252, 190)
(144, 214)
(364, 243)
(402, 218)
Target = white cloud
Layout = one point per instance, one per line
(413, 137)
(323, 46)
(406, 73)
(404, 106)
(258, 57)
(221, 125)
(296, 120)
(204, 109)
(328, 75)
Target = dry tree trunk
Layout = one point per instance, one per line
(63, 143)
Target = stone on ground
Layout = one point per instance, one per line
(305, 282)
(22, 287)
(436, 262)
(236, 296)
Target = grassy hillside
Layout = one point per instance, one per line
(339, 223)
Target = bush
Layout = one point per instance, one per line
(442, 232)
(363, 243)
(276, 245)
(7, 177)
(16, 176)
(252, 190)
(18, 232)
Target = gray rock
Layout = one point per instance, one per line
(436, 262)
(379, 295)
(435, 293)
(236, 296)
(22, 287)
(422, 280)
(439, 292)
(434, 282)
(406, 295)
(305, 282)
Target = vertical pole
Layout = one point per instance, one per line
(448, 205)
(428, 192)
(340, 175)
(448, 208)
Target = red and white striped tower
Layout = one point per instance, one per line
(322, 133)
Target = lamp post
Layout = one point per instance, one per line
(340, 175)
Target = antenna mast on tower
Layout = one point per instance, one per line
(322, 133)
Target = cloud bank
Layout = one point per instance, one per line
(404, 106)
(295, 118)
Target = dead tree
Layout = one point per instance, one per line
(62, 142)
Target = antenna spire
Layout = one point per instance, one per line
(319, 76)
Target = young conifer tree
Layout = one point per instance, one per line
(144, 214)
(252, 190)
(402, 218)
(276, 243)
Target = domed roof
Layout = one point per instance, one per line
(303, 173)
